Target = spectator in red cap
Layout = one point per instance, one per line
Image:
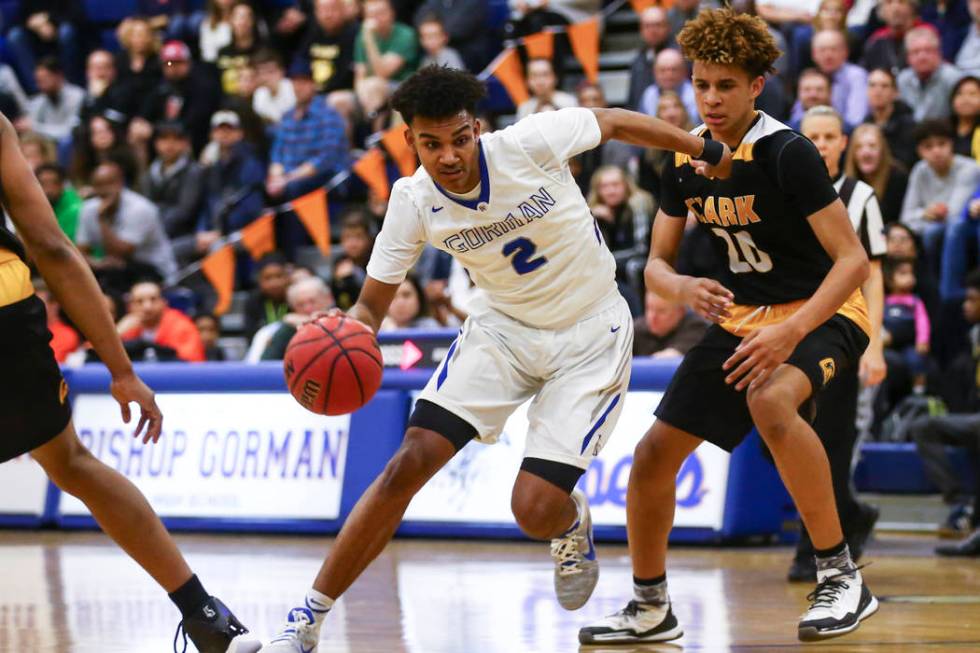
(190, 93)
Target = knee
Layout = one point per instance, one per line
(655, 460)
(536, 515)
(408, 470)
(649, 451)
(772, 411)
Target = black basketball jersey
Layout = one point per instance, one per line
(758, 216)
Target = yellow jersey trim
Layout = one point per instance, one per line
(746, 319)
(15, 279)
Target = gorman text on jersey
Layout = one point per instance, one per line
(534, 207)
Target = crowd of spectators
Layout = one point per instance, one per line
(154, 145)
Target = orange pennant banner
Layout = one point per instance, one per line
(400, 150)
(312, 211)
(219, 268)
(584, 37)
(639, 6)
(371, 169)
(509, 72)
(259, 236)
(540, 45)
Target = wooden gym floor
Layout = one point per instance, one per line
(77, 593)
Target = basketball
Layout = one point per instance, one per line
(333, 365)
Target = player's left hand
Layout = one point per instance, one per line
(721, 171)
(759, 354)
(129, 388)
(872, 368)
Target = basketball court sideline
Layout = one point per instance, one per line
(77, 593)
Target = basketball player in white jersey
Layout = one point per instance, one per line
(549, 324)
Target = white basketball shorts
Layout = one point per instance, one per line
(577, 377)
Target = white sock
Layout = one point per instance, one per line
(656, 593)
(319, 604)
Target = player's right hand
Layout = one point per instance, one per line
(721, 171)
(707, 298)
(129, 388)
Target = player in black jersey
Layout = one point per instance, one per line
(35, 415)
(788, 317)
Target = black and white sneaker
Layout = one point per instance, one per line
(837, 606)
(214, 629)
(637, 622)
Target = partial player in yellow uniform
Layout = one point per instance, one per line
(35, 415)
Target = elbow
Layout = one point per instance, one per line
(609, 123)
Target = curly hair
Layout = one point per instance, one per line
(437, 92)
(723, 36)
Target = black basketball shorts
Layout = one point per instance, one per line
(34, 405)
(699, 401)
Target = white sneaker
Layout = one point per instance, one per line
(298, 635)
(576, 567)
(637, 622)
(838, 605)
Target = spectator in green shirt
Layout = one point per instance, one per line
(384, 48)
(65, 201)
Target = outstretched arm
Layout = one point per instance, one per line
(68, 276)
(647, 131)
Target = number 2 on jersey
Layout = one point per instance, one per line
(523, 249)
(752, 258)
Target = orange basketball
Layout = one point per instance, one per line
(333, 365)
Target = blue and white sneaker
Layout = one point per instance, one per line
(300, 634)
(576, 567)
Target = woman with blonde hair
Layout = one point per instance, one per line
(623, 214)
(869, 159)
(137, 65)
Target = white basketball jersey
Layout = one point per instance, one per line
(528, 241)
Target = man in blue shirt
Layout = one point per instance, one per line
(310, 144)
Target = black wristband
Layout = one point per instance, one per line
(713, 152)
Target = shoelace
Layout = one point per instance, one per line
(829, 588)
(180, 629)
(631, 609)
(566, 552)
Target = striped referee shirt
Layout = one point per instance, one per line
(862, 208)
